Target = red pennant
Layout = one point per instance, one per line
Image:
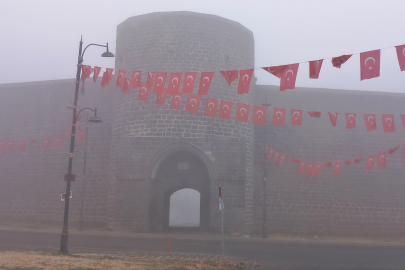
(205, 82)
(350, 120)
(120, 78)
(348, 162)
(230, 75)
(107, 77)
(193, 103)
(328, 164)
(96, 73)
(144, 92)
(392, 150)
(296, 117)
(161, 98)
(189, 80)
(34, 140)
(259, 115)
(388, 122)
(288, 77)
(225, 109)
(337, 168)
(301, 168)
(314, 114)
(358, 160)
(370, 163)
(275, 70)
(318, 168)
(176, 101)
(104, 80)
(382, 159)
(315, 68)
(126, 85)
(135, 79)
(2, 144)
(275, 157)
(242, 112)
(21, 145)
(150, 79)
(211, 106)
(371, 124)
(333, 118)
(293, 160)
(310, 168)
(86, 72)
(281, 160)
(401, 56)
(174, 83)
(270, 153)
(9, 145)
(338, 61)
(57, 142)
(45, 143)
(370, 65)
(160, 82)
(244, 81)
(279, 116)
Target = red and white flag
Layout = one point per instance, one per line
(388, 122)
(96, 73)
(189, 80)
(161, 97)
(348, 162)
(150, 79)
(225, 109)
(358, 160)
(371, 124)
(9, 145)
(275, 157)
(314, 114)
(45, 143)
(176, 101)
(136, 79)
(350, 120)
(392, 150)
(86, 72)
(338, 61)
(174, 83)
(211, 107)
(2, 145)
(276, 70)
(144, 92)
(270, 153)
(294, 160)
(333, 118)
(21, 145)
(370, 163)
(315, 68)
(107, 77)
(296, 117)
(288, 77)
(126, 86)
(242, 112)
(205, 82)
(370, 64)
(401, 56)
(318, 168)
(193, 103)
(230, 75)
(382, 159)
(259, 115)
(160, 82)
(120, 77)
(301, 167)
(310, 168)
(281, 160)
(279, 116)
(57, 142)
(244, 81)
(337, 168)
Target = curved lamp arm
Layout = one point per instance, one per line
(105, 46)
(95, 110)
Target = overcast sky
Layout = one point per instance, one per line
(39, 39)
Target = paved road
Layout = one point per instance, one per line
(269, 254)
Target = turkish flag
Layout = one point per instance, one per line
(370, 163)
(301, 168)
(2, 144)
(144, 92)
(382, 159)
(270, 153)
(281, 160)
(244, 81)
(275, 157)
(86, 72)
(293, 160)
(370, 64)
(310, 168)
(160, 82)
(230, 75)
(401, 56)
(333, 118)
(328, 164)
(205, 82)
(193, 103)
(189, 80)
(126, 85)
(279, 116)
(350, 120)
(388, 122)
(348, 162)
(358, 160)
(211, 107)
(225, 109)
(288, 77)
(318, 168)
(45, 143)
(402, 119)
(107, 77)
(275, 70)
(176, 101)
(9, 145)
(150, 79)
(136, 79)
(57, 142)
(96, 73)
(120, 77)
(21, 145)
(371, 124)
(314, 114)
(174, 83)
(296, 117)
(338, 61)
(315, 68)
(392, 150)
(259, 115)
(337, 168)
(161, 98)
(242, 112)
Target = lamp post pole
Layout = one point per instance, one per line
(264, 226)
(84, 174)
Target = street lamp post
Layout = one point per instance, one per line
(264, 226)
(65, 233)
(80, 228)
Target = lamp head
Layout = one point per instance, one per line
(95, 118)
(107, 53)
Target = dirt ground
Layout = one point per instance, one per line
(47, 261)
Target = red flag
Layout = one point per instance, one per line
(279, 116)
(176, 101)
(2, 144)
(144, 92)
(230, 75)
(21, 145)
(275, 157)
(107, 77)
(270, 153)
(314, 114)
(328, 164)
(45, 143)
(301, 168)
(160, 82)
(80, 136)
(9, 145)
(281, 160)
(161, 98)
(315, 68)
(358, 160)
(205, 82)
(338, 61)
(56, 142)
(244, 81)
(189, 80)
(293, 160)
(135, 79)
(96, 73)
(392, 150)
(318, 168)
(310, 168)
(150, 79)
(275, 70)
(120, 77)
(337, 168)
(370, 122)
(242, 112)
(288, 77)
(370, 163)
(193, 103)
(402, 119)
(350, 120)
(333, 118)
(401, 56)
(388, 122)
(126, 85)
(382, 159)
(348, 162)
(86, 72)
(174, 83)
(259, 115)
(370, 65)
(225, 109)
(296, 117)
(211, 106)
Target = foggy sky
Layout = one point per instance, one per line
(39, 39)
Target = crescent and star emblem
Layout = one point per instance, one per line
(350, 115)
(372, 118)
(247, 78)
(386, 121)
(208, 80)
(191, 102)
(192, 79)
(271, 71)
(382, 158)
(227, 108)
(288, 71)
(370, 161)
(136, 76)
(159, 79)
(177, 81)
(281, 114)
(296, 112)
(143, 91)
(209, 106)
(369, 58)
(242, 109)
(175, 99)
(259, 111)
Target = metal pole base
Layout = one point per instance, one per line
(64, 242)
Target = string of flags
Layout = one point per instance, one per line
(11, 145)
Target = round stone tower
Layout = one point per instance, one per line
(156, 150)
